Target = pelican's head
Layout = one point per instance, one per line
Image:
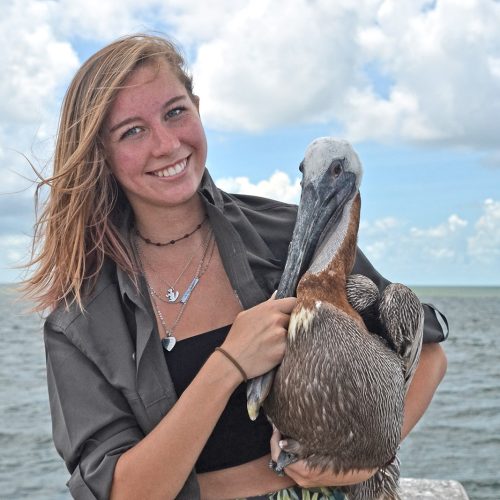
(331, 175)
(327, 162)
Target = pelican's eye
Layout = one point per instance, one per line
(336, 168)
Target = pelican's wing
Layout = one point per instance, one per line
(412, 354)
(402, 315)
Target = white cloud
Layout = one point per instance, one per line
(34, 62)
(278, 63)
(438, 66)
(484, 244)
(443, 64)
(380, 226)
(105, 19)
(192, 22)
(457, 248)
(442, 231)
(279, 187)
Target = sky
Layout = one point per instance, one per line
(414, 85)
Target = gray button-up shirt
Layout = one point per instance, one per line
(108, 381)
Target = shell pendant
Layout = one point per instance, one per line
(168, 342)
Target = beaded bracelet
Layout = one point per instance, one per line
(235, 363)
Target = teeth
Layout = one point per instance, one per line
(167, 172)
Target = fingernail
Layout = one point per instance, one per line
(282, 443)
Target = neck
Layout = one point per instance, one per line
(337, 249)
(170, 223)
(325, 280)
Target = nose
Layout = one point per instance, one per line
(164, 141)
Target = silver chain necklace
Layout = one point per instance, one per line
(168, 341)
(171, 294)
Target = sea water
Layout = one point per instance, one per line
(458, 437)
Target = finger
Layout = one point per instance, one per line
(296, 471)
(285, 305)
(275, 439)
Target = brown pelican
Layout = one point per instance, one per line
(338, 395)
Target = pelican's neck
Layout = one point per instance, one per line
(339, 242)
(325, 280)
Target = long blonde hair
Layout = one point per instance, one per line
(78, 225)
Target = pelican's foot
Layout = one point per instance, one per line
(285, 458)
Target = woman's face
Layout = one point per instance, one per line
(154, 140)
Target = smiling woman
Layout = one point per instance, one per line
(158, 287)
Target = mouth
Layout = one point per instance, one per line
(172, 170)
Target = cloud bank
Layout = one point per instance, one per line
(414, 70)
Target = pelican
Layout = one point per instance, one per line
(338, 395)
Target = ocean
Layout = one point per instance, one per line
(458, 437)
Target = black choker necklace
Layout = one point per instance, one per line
(171, 242)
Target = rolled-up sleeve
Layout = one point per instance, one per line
(92, 422)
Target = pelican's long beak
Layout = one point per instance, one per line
(321, 206)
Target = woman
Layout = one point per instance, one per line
(148, 269)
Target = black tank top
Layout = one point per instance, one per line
(235, 439)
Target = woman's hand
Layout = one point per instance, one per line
(310, 478)
(258, 335)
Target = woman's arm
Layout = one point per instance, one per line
(157, 466)
(429, 373)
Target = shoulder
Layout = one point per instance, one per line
(258, 204)
(263, 219)
(271, 218)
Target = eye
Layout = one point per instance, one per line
(301, 167)
(336, 168)
(175, 112)
(131, 132)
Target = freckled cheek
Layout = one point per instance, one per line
(198, 139)
(125, 163)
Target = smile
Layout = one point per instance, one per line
(170, 171)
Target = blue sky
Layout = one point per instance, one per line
(414, 85)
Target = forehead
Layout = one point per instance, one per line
(148, 86)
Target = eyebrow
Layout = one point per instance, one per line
(131, 119)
